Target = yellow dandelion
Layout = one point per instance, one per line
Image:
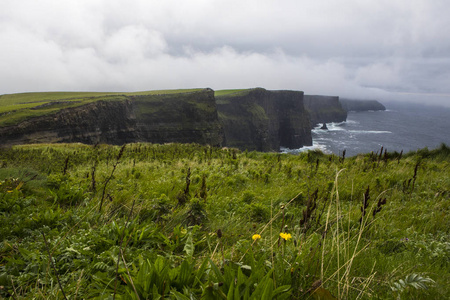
(285, 236)
(256, 237)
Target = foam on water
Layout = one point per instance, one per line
(369, 131)
(400, 128)
(317, 145)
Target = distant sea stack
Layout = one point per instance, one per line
(188, 117)
(361, 105)
(263, 120)
(324, 109)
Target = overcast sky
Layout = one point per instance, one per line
(378, 49)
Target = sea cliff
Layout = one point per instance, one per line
(262, 120)
(189, 117)
(361, 105)
(324, 109)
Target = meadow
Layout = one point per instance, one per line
(146, 221)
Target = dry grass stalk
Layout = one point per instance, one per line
(365, 204)
(119, 156)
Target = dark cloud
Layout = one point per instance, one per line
(368, 49)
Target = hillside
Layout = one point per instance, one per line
(177, 221)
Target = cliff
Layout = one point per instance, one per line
(189, 117)
(178, 118)
(324, 109)
(361, 105)
(254, 119)
(262, 120)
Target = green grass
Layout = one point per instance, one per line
(235, 92)
(18, 107)
(45, 97)
(167, 237)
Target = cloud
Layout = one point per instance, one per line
(347, 48)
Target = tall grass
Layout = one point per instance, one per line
(319, 230)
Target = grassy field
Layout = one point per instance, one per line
(18, 107)
(177, 221)
(231, 92)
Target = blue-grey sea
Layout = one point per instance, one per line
(401, 127)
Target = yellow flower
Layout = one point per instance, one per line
(285, 236)
(256, 237)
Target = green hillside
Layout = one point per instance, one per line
(231, 92)
(18, 107)
(192, 222)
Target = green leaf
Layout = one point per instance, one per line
(185, 273)
(155, 293)
(267, 294)
(216, 271)
(178, 295)
(280, 290)
(189, 246)
(230, 295)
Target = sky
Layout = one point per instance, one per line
(366, 49)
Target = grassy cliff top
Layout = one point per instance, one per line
(18, 107)
(10, 101)
(237, 92)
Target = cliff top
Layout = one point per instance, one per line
(18, 107)
(236, 92)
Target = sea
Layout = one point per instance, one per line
(401, 127)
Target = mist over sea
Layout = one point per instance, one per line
(401, 127)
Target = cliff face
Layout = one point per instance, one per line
(185, 117)
(361, 105)
(254, 119)
(264, 120)
(179, 118)
(324, 109)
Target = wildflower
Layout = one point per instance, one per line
(285, 236)
(256, 237)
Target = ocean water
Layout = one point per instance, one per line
(400, 127)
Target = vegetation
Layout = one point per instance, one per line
(234, 92)
(175, 221)
(18, 107)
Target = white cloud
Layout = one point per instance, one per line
(348, 48)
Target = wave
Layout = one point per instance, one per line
(316, 146)
(331, 127)
(370, 131)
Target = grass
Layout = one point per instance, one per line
(18, 107)
(234, 92)
(177, 222)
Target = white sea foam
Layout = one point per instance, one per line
(370, 131)
(331, 127)
(316, 146)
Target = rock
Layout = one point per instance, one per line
(254, 119)
(361, 105)
(177, 117)
(262, 120)
(324, 126)
(324, 109)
